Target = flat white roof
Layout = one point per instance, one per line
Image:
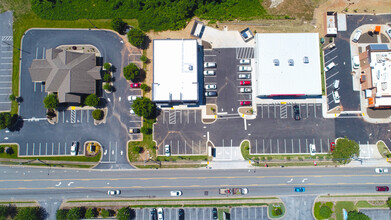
(175, 71)
(288, 64)
(331, 24)
(381, 75)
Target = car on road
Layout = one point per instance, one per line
(244, 76)
(332, 146)
(134, 130)
(209, 64)
(388, 31)
(245, 68)
(244, 61)
(74, 148)
(214, 213)
(357, 36)
(181, 214)
(296, 110)
(312, 149)
(245, 90)
(382, 188)
(209, 72)
(153, 214)
(176, 193)
(135, 85)
(299, 189)
(381, 170)
(210, 86)
(210, 94)
(113, 192)
(167, 151)
(329, 67)
(245, 83)
(336, 97)
(245, 102)
(160, 214)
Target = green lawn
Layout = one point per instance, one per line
(383, 149)
(245, 149)
(146, 144)
(271, 206)
(317, 208)
(175, 158)
(348, 206)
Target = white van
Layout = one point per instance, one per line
(329, 67)
(336, 84)
(356, 62)
(357, 36)
(312, 149)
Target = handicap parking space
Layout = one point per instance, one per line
(285, 111)
(248, 213)
(74, 116)
(48, 149)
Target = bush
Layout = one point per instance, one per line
(107, 87)
(97, 114)
(12, 97)
(104, 213)
(30, 213)
(300, 158)
(355, 215)
(123, 214)
(131, 72)
(74, 214)
(145, 130)
(5, 120)
(325, 211)
(107, 66)
(118, 25)
(144, 58)
(1, 149)
(61, 214)
(51, 101)
(107, 77)
(288, 158)
(92, 100)
(389, 202)
(90, 213)
(9, 151)
(269, 158)
(145, 87)
(136, 37)
(277, 211)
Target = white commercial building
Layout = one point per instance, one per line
(288, 65)
(175, 71)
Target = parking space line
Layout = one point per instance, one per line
(43, 53)
(299, 146)
(188, 116)
(27, 153)
(263, 145)
(33, 148)
(271, 146)
(199, 146)
(163, 116)
(63, 117)
(256, 146)
(330, 59)
(268, 111)
(46, 148)
(321, 150)
(81, 116)
(36, 53)
(58, 148)
(39, 148)
(315, 110)
(330, 51)
(306, 145)
(278, 146)
(35, 85)
(116, 151)
(65, 148)
(307, 110)
(195, 117)
(180, 116)
(88, 115)
(52, 148)
(275, 111)
(332, 75)
(292, 146)
(110, 150)
(285, 144)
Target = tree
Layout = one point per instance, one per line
(107, 77)
(12, 97)
(355, 215)
(92, 100)
(61, 214)
(51, 101)
(131, 71)
(136, 149)
(144, 58)
(74, 214)
(3, 211)
(104, 213)
(1, 151)
(107, 87)
(118, 25)
(9, 150)
(389, 202)
(5, 120)
(97, 114)
(344, 150)
(277, 211)
(144, 107)
(123, 213)
(136, 37)
(30, 213)
(144, 87)
(107, 66)
(90, 213)
(325, 211)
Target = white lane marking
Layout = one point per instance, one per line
(58, 184)
(304, 180)
(69, 184)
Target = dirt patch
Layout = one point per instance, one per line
(299, 9)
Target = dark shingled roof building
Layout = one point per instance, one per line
(71, 74)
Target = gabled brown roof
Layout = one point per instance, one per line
(68, 73)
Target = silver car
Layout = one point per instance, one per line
(245, 68)
(245, 90)
(209, 72)
(209, 64)
(210, 86)
(244, 76)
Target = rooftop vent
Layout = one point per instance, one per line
(306, 60)
(190, 67)
(276, 62)
(290, 61)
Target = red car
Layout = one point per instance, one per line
(332, 146)
(382, 188)
(135, 85)
(245, 103)
(244, 83)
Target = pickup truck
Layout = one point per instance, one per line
(233, 191)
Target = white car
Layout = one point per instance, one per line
(131, 111)
(357, 36)
(160, 215)
(209, 72)
(244, 191)
(210, 86)
(167, 150)
(388, 31)
(244, 76)
(113, 192)
(245, 90)
(244, 61)
(133, 97)
(74, 148)
(336, 97)
(245, 68)
(381, 170)
(209, 64)
(312, 149)
(329, 67)
(176, 193)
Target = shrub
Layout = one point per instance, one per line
(107, 87)
(131, 71)
(1, 149)
(325, 211)
(136, 37)
(97, 114)
(30, 213)
(90, 213)
(61, 214)
(118, 25)
(277, 211)
(144, 58)
(269, 158)
(92, 100)
(145, 87)
(51, 101)
(74, 214)
(9, 151)
(107, 77)
(104, 213)
(107, 66)
(145, 130)
(12, 97)
(300, 158)
(6, 120)
(288, 158)
(389, 202)
(123, 213)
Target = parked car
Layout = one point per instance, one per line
(388, 31)
(336, 84)
(332, 146)
(382, 188)
(113, 192)
(329, 67)
(131, 98)
(244, 61)
(209, 64)
(167, 151)
(74, 148)
(153, 214)
(312, 149)
(209, 72)
(245, 68)
(381, 170)
(160, 214)
(175, 193)
(244, 76)
(357, 36)
(131, 111)
(210, 94)
(135, 85)
(336, 97)
(134, 130)
(181, 214)
(356, 62)
(245, 83)
(245, 90)
(214, 213)
(245, 102)
(296, 110)
(210, 86)
(299, 189)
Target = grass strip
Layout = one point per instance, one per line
(366, 204)
(383, 149)
(348, 206)
(51, 165)
(166, 200)
(175, 158)
(146, 144)
(272, 206)
(171, 166)
(24, 202)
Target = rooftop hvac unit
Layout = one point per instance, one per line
(306, 60)
(190, 67)
(276, 62)
(384, 86)
(290, 61)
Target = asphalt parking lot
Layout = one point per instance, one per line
(250, 213)
(134, 121)
(172, 213)
(182, 130)
(6, 54)
(49, 149)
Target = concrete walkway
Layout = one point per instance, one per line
(298, 207)
(369, 157)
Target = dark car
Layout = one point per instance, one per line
(153, 214)
(214, 213)
(210, 94)
(181, 214)
(382, 188)
(296, 111)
